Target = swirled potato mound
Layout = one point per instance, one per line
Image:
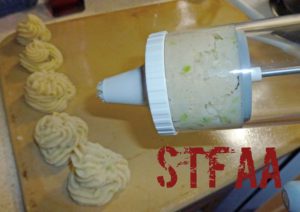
(41, 56)
(32, 28)
(57, 136)
(49, 91)
(98, 174)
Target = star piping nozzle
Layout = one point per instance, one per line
(124, 88)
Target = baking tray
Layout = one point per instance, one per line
(99, 46)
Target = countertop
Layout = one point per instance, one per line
(11, 199)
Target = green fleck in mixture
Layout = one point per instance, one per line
(184, 117)
(233, 40)
(218, 37)
(186, 69)
(235, 100)
(206, 120)
(224, 120)
(233, 111)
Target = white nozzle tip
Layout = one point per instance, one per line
(124, 88)
(100, 91)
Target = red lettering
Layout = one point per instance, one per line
(246, 156)
(270, 160)
(193, 164)
(246, 162)
(170, 169)
(213, 163)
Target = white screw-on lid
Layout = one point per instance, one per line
(291, 194)
(156, 84)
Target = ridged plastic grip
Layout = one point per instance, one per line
(156, 84)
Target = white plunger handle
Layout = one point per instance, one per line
(291, 196)
(257, 74)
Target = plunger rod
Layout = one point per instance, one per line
(270, 23)
(281, 71)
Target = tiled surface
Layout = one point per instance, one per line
(11, 199)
